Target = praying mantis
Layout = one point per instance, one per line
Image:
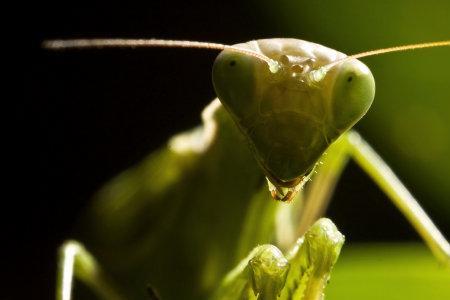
(286, 110)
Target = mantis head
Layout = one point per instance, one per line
(292, 113)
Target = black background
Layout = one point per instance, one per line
(83, 116)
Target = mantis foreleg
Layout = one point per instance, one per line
(320, 190)
(76, 262)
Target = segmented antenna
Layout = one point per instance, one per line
(327, 67)
(145, 43)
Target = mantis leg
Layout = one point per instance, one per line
(385, 178)
(319, 191)
(76, 261)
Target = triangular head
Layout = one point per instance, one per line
(291, 115)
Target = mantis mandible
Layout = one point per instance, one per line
(293, 103)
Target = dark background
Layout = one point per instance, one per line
(83, 116)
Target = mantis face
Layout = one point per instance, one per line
(292, 115)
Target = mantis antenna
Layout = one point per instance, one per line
(386, 50)
(274, 66)
(145, 43)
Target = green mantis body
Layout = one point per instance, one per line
(192, 210)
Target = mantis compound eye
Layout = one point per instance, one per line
(352, 94)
